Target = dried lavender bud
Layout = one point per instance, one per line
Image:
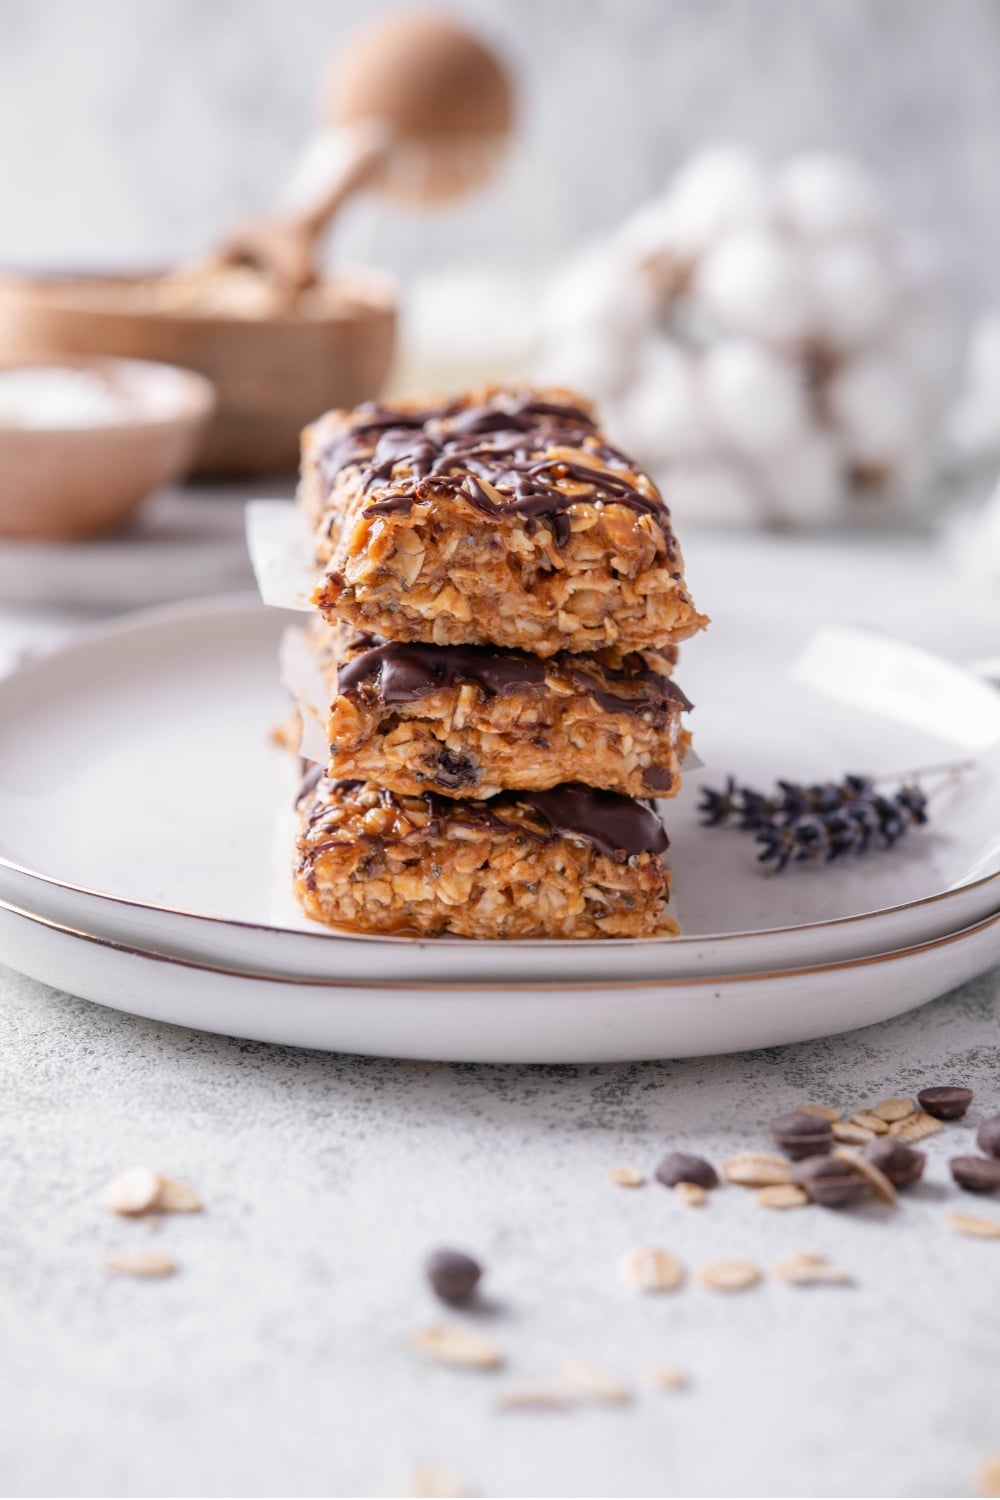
(453, 1275)
(819, 823)
(988, 1136)
(896, 1160)
(830, 1181)
(947, 1102)
(679, 1167)
(788, 802)
(977, 1174)
(800, 1134)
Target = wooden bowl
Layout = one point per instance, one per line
(272, 373)
(61, 481)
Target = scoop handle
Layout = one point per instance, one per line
(283, 246)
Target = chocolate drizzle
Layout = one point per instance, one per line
(402, 673)
(491, 455)
(619, 827)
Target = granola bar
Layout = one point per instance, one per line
(473, 721)
(502, 518)
(564, 863)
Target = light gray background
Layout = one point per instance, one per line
(136, 131)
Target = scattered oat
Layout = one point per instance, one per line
(809, 1269)
(550, 1397)
(825, 1111)
(449, 1344)
(141, 1263)
(626, 1176)
(649, 1269)
(589, 1382)
(892, 1110)
(433, 1482)
(132, 1192)
(756, 1169)
(915, 1127)
(989, 1478)
(666, 1378)
(871, 1122)
(984, 1229)
(782, 1195)
(854, 1135)
(176, 1197)
(691, 1193)
(877, 1179)
(729, 1275)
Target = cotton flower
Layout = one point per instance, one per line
(755, 399)
(755, 282)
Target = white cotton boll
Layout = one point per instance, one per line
(601, 293)
(804, 483)
(661, 415)
(596, 366)
(874, 409)
(649, 231)
(821, 194)
(755, 400)
(754, 282)
(719, 189)
(857, 293)
(711, 493)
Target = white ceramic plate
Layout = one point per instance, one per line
(520, 1023)
(138, 791)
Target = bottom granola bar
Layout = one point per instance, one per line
(570, 862)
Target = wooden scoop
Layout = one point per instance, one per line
(414, 107)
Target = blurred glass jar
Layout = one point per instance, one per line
(767, 342)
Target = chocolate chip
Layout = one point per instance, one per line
(946, 1102)
(453, 1275)
(977, 1174)
(679, 1167)
(898, 1161)
(830, 1181)
(988, 1136)
(802, 1134)
(658, 779)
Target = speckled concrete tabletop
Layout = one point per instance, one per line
(275, 1362)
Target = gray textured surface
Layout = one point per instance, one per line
(139, 131)
(275, 1363)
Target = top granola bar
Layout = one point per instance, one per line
(503, 517)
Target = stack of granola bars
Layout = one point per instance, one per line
(500, 600)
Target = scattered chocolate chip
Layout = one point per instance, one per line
(977, 1174)
(988, 1136)
(896, 1160)
(946, 1102)
(829, 1181)
(801, 1133)
(679, 1167)
(453, 1275)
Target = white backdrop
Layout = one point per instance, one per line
(132, 130)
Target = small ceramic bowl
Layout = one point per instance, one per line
(83, 440)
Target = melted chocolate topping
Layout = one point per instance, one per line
(619, 827)
(454, 448)
(403, 673)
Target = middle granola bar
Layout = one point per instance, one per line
(503, 518)
(473, 720)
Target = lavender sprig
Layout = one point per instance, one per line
(791, 800)
(819, 823)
